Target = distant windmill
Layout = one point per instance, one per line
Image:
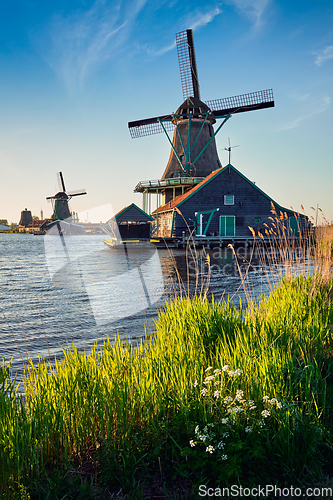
(60, 200)
(193, 148)
(230, 148)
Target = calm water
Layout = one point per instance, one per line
(57, 291)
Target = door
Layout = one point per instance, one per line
(227, 225)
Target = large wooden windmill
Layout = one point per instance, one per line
(193, 149)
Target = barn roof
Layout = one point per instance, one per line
(132, 213)
(179, 200)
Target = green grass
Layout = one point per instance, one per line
(218, 395)
(123, 415)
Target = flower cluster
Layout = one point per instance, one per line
(245, 415)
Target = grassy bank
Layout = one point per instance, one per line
(217, 396)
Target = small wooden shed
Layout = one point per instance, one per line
(133, 223)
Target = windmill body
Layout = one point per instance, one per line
(60, 206)
(191, 135)
(193, 153)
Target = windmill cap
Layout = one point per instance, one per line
(196, 107)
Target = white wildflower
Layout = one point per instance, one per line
(210, 449)
(265, 398)
(192, 443)
(209, 379)
(196, 430)
(238, 372)
(225, 434)
(231, 373)
(248, 429)
(240, 395)
(225, 368)
(195, 383)
(217, 371)
(204, 391)
(265, 413)
(273, 401)
(278, 405)
(253, 407)
(217, 382)
(217, 394)
(235, 409)
(221, 445)
(209, 368)
(225, 420)
(224, 457)
(227, 399)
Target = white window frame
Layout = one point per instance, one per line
(226, 196)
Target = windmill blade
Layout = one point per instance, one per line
(241, 103)
(61, 182)
(187, 64)
(150, 126)
(77, 192)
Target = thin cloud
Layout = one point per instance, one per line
(317, 108)
(204, 19)
(324, 55)
(164, 50)
(252, 9)
(194, 22)
(82, 41)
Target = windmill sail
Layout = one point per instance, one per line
(187, 64)
(241, 103)
(150, 126)
(61, 182)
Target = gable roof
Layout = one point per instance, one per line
(182, 197)
(132, 213)
(179, 200)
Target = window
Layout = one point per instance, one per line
(293, 226)
(257, 220)
(229, 199)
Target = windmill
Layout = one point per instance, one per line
(60, 200)
(193, 149)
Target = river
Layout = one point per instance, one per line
(58, 291)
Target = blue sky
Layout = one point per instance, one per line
(73, 73)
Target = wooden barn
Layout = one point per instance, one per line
(133, 223)
(225, 204)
